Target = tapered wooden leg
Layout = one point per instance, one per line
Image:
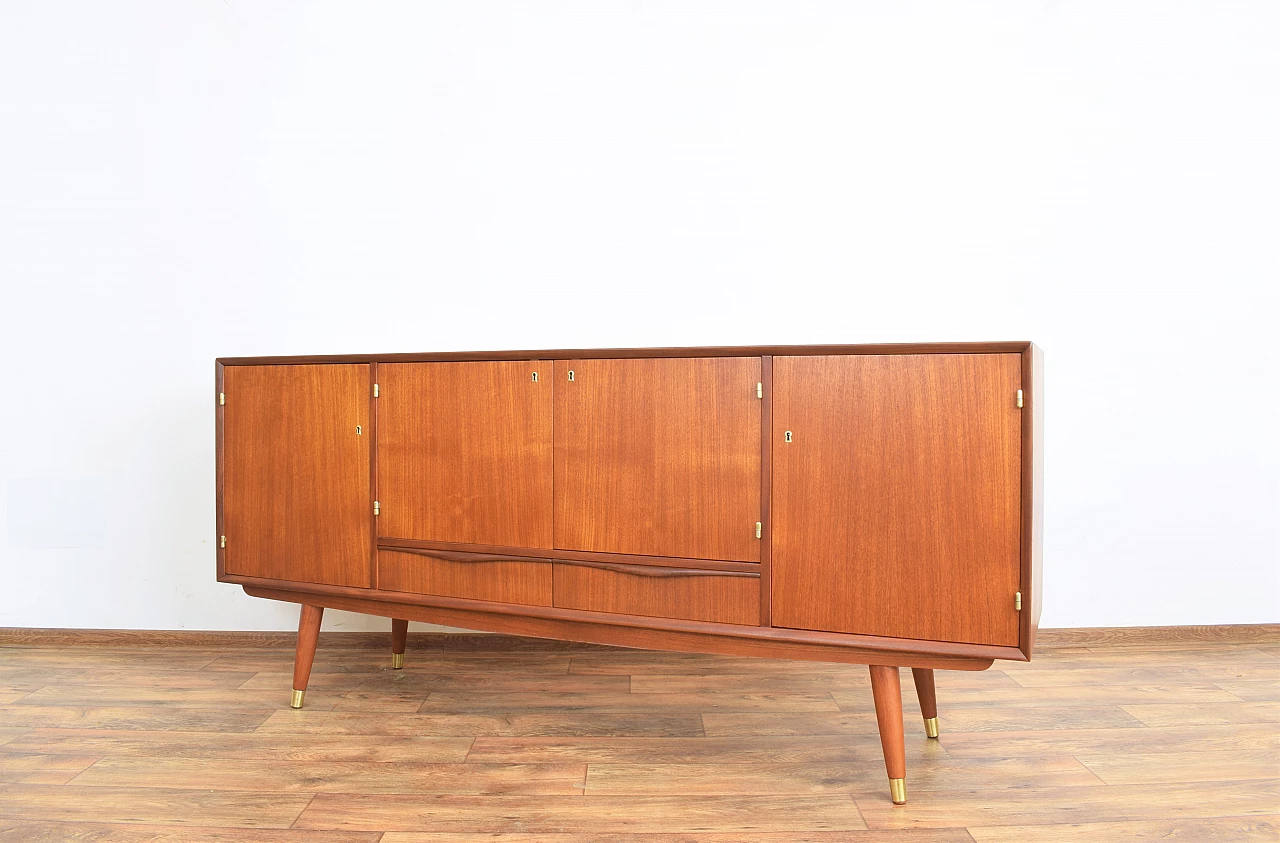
(308, 635)
(399, 635)
(886, 688)
(928, 699)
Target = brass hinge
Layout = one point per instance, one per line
(375, 390)
(1019, 399)
(376, 507)
(1017, 601)
(758, 529)
(222, 541)
(759, 390)
(222, 398)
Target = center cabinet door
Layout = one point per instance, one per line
(658, 457)
(464, 452)
(897, 495)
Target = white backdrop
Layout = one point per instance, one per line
(185, 180)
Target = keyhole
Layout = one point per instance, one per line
(571, 374)
(535, 377)
(787, 436)
(358, 430)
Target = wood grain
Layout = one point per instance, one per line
(542, 740)
(465, 452)
(658, 457)
(477, 577)
(295, 493)
(896, 507)
(716, 597)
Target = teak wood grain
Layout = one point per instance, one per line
(295, 489)
(473, 576)
(897, 503)
(658, 456)
(714, 596)
(464, 452)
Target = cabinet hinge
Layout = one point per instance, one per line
(1017, 601)
(375, 390)
(376, 508)
(222, 541)
(759, 390)
(222, 398)
(1019, 399)
(759, 529)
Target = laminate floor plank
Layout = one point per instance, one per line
(640, 722)
(1248, 736)
(208, 719)
(440, 702)
(1046, 806)
(388, 777)
(255, 746)
(824, 749)
(1198, 766)
(482, 736)
(959, 720)
(1256, 689)
(168, 806)
(36, 768)
(35, 831)
(1206, 714)
(583, 815)
(1256, 829)
(813, 779)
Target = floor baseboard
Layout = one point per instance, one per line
(1077, 637)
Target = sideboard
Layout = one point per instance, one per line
(865, 504)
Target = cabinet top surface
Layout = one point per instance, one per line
(1002, 347)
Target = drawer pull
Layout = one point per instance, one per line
(655, 570)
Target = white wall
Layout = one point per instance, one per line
(185, 180)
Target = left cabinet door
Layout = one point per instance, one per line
(464, 452)
(296, 502)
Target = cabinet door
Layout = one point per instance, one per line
(295, 487)
(659, 457)
(896, 504)
(464, 452)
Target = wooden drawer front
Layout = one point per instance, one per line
(500, 579)
(652, 591)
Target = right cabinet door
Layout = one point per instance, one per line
(897, 495)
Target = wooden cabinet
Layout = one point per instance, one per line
(658, 456)
(295, 499)
(465, 452)
(877, 505)
(897, 495)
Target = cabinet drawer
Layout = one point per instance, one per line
(476, 576)
(659, 592)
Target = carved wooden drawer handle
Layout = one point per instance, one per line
(656, 570)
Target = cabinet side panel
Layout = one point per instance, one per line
(897, 502)
(296, 496)
(658, 457)
(464, 452)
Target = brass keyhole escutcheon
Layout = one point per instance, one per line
(571, 374)
(359, 430)
(535, 377)
(787, 436)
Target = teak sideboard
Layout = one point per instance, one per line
(866, 504)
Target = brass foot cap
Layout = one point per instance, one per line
(296, 702)
(898, 791)
(931, 726)
(397, 661)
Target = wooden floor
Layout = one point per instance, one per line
(486, 736)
